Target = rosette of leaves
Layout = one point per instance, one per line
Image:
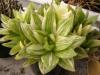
(49, 36)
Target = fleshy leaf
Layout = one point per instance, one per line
(79, 16)
(18, 14)
(29, 62)
(52, 37)
(61, 10)
(5, 20)
(21, 54)
(81, 53)
(48, 62)
(14, 26)
(94, 43)
(68, 53)
(38, 36)
(78, 42)
(65, 26)
(36, 22)
(57, 1)
(86, 30)
(91, 20)
(27, 32)
(35, 49)
(15, 49)
(5, 38)
(9, 44)
(65, 42)
(41, 9)
(28, 12)
(49, 20)
(67, 64)
(47, 46)
(3, 31)
(79, 31)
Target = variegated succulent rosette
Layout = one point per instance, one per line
(50, 35)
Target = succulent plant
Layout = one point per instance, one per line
(50, 37)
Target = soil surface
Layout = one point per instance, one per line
(9, 66)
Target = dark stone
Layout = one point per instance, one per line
(82, 67)
(4, 51)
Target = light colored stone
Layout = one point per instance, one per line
(9, 66)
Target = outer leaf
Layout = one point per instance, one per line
(9, 44)
(18, 14)
(36, 22)
(14, 29)
(5, 20)
(14, 25)
(68, 53)
(35, 57)
(91, 20)
(22, 54)
(15, 49)
(94, 43)
(28, 12)
(65, 26)
(29, 62)
(27, 32)
(41, 9)
(21, 45)
(57, 1)
(79, 31)
(78, 41)
(79, 16)
(14, 37)
(48, 20)
(67, 64)
(86, 30)
(3, 31)
(5, 38)
(9, 37)
(85, 18)
(35, 49)
(81, 53)
(48, 62)
(65, 42)
(70, 8)
(61, 10)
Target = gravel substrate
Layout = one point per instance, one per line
(9, 66)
